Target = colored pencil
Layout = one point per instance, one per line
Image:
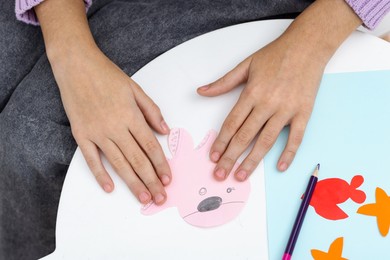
(301, 214)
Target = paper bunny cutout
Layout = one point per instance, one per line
(201, 200)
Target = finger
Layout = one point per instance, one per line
(229, 128)
(141, 166)
(263, 144)
(297, 130)
(152, 148)
(124, 170)
(240, 141)
(232, 79)
(150, 110)
(92, 157)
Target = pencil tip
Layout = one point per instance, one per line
(315, 173)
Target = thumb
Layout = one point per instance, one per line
(229, 81)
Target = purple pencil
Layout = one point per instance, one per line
(301, 215)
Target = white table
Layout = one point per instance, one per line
(94, 225)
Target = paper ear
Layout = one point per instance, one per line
(151, 208)
(179, 140)
(207, 141)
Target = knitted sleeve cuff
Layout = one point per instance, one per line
(24, 10)
(370, 11)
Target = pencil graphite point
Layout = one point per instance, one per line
(315, 173)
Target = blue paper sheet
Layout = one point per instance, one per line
(349, 134)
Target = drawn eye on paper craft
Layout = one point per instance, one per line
(333, 191)
(201, 200)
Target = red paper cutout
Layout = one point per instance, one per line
(334, 253)
(333, 191)
(380, 209)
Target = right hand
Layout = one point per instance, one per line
(107, 110)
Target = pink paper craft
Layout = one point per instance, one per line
(201, 200)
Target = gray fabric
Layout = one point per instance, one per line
(36, 145)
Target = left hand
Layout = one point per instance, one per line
(281, 87)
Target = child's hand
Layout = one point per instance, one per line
(109, 111)
(282, 80)
(280, 90)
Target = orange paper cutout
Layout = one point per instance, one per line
(380, 209)
(333, 191)
(334, 253)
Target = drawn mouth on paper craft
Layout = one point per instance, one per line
(215, 211)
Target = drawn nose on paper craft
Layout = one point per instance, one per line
(210, 203)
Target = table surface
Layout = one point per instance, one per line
(87, 216)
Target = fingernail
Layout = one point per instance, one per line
(241, 175)
(220, 173)
(283, 166)
(164, 126)
(159, 198)
(144, 197)
(203, 88)
(215, 156)
(165, 179)
(107, 187)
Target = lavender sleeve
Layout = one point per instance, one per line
(24, 10)
(370, 11)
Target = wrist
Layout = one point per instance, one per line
(65, 28)
(73, 47)
(307, 51)
(318, 32)
(75, 58)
